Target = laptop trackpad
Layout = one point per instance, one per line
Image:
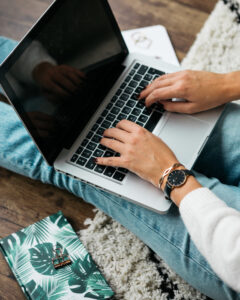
(185, 135)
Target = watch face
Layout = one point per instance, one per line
(176, 178)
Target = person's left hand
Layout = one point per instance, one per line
(141, 151)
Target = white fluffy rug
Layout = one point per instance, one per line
(126, 262)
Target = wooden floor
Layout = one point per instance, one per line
(24, 201)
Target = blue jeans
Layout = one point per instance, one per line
(165, 234)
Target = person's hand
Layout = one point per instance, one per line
(58, 81)
(140, 151)
(201, 90)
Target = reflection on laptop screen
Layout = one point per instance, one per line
(65, 71)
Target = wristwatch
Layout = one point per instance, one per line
(176, 178)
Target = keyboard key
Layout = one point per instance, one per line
(123, 85)
(136, 112)
(138, 90)
(140, 104)
(128, 78)
(84, 143)
(132, 118)
(130, 103)
(137, 77)
(128, 90)
(140, 124)
(118, 93)
(74, 158)
(100, 131)
(133, 84)
(115, 123)
(109, 106)
(95, 127)
(123, 170)
(99, 120)
(121, 117)
(134, 96)
(105, 124)
(101, 147)
(120, 103)
(108, 154)
(142, 118)
(115, 110)
(147, 111)
(124, 97)
(99, 168)
(117, 154)
(109, 171)
(89, 135)
(152, 122)
(110, 117)
(114, 99)
(148, 77)
(91, 146)
(98, 153)
(79, 150)
(153, 71)
(136, 66)
(142, 70)
(81, 161)
(160, 108)
(86, 153)
(96, 138)
(118, 176)
(143, 83)
(126, 110)
(91, 163)
(132, 72)
(104, 113)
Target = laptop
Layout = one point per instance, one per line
(71, 77)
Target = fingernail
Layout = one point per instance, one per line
(96, 160)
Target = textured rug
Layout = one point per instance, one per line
(130, 267)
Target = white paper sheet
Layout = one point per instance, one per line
(151, 41)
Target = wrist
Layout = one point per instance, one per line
(231, 86)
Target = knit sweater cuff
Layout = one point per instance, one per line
(198, 202)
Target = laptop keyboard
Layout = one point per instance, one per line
(123, 105)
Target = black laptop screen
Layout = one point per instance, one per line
(62, 70)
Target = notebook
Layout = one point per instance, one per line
(50, 263)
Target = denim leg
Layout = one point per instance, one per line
(165, 234)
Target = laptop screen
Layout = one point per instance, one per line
(59, 74)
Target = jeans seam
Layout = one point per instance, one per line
(157, 232)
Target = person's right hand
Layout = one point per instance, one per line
(201, 91)
(58, 81)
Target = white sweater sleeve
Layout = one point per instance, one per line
(215, 229)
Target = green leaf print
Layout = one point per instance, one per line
(35, 291)
(89, 279)
(41, 258)
(59, 220)
(13, 242)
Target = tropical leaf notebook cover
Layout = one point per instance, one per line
(29, 254)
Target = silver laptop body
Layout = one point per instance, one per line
(186, 135)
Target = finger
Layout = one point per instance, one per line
(65, 83)
(179, 107)
(54, 88)
(161, 94)
(158, 83)
(110, 161)
(75, 79)
(127, 126)
(112, 144)
(118, 134)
